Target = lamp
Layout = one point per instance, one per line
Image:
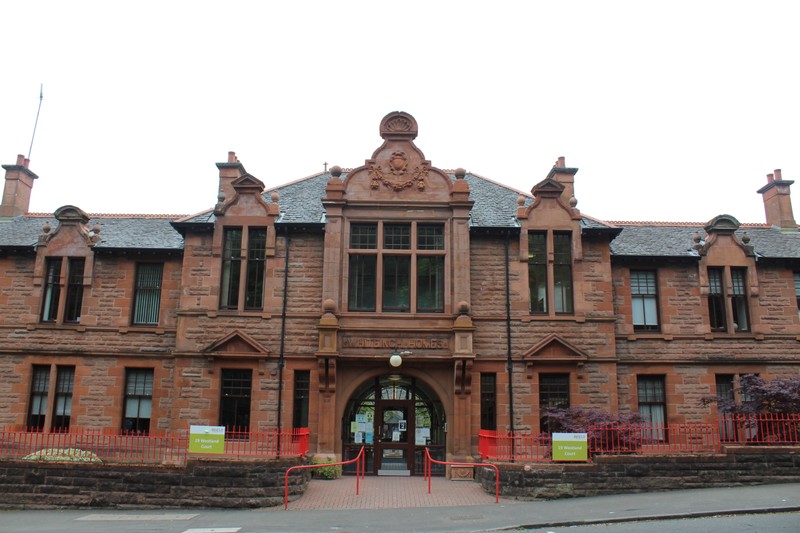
(396, 358)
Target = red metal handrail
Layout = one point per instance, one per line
(360, 468)
(427, 471)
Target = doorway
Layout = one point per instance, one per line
(394, 418)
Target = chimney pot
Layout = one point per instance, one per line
(778, 174)
(231, 157)
(21, 160)
(561, 162)
(26, 162)
(770, 178)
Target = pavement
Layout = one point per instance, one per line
(391, 505)
(404, 505)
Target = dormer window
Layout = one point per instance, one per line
(717, 308)
(69, 274)
(541, 271)
(240, 262)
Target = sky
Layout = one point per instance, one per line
(672, 111)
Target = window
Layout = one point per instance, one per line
(489, 401)
(797, 291)
(52, 290)
(302, 380)
(147, 293)
(537, 271)
(138, 400)
(540, 272)
(234, 412)
(252, 269)
(553, 394)
(644, 300)
(741, 319)
(405, 260)
(653, 405)
(717, 309)
(725, 392)
(54, 274)
(40, 384)
(65, 379)
(562, 272)
(716, 300)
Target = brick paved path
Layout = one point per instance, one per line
(378, 492)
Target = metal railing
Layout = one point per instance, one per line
(358, 460)
(763, 429)
(117, 446)
(429, 461)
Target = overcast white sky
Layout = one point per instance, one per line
(673, 111)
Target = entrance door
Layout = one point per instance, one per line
(394, 419)
(394, 449)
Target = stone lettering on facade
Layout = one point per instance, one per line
(395, 344)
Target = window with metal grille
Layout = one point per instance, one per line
(741, 317)
(138, 400)
(147, 294)
(553, 394)
(489, 401)
(62, 410)
(644, 300)
(716, 300)
(302, 379)
(40, 384)
(234, 411)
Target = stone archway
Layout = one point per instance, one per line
(394, 417)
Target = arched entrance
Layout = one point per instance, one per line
(394, 417)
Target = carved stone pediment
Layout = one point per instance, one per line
(554, 349)
(237, 344)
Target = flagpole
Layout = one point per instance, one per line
(41, 90)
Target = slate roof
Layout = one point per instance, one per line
(300, 202)
(651, 239)
(116, 232)
(494, 207)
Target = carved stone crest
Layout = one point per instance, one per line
(397, 175)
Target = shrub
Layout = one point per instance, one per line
(606, 432)
(761, 396)
(326, 472)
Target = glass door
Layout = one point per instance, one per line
(394, 447)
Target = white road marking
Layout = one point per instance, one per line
(213, 530)
(138, 517)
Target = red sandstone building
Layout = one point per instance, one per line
(283, 306)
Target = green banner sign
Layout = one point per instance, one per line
(570, 447)
(206, 439)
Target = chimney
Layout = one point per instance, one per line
(17, 190)
(777, 201)
(565, 176)
(229, 172)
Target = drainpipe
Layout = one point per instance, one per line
(281, 360)
(509, 363)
